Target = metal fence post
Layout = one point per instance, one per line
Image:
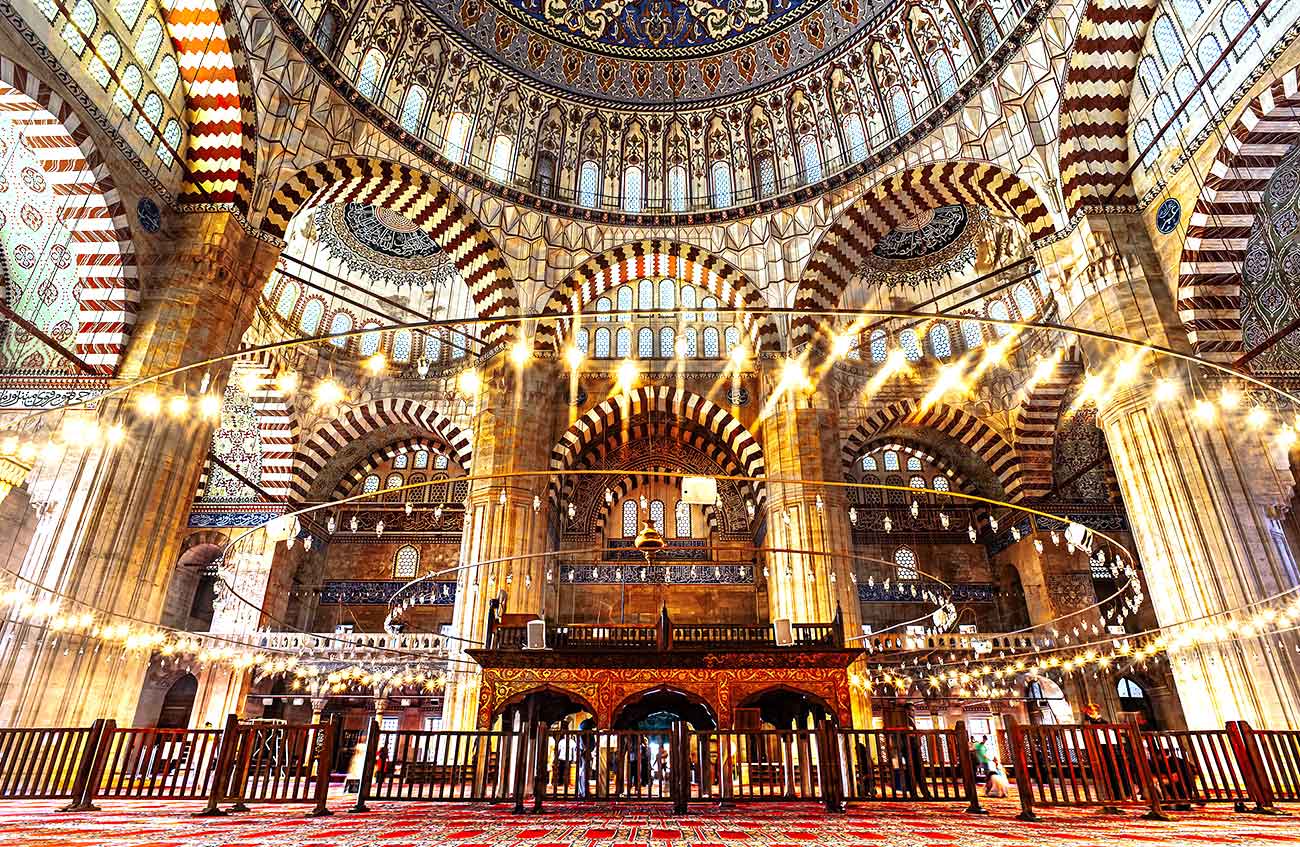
(222, 772)
(324, 766)
(368, 767)
(1023, 787)
(1249, 762)
(965, 753)
(82, 797)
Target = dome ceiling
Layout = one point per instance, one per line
(658, 52)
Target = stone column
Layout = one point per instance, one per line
(111, 515)
(801, 441)
(512, 433)
(1204, 503)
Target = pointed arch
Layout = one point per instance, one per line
(649, 258)
(422, 199)
(1035, 426)
(1219, 227)
(977, 436)
(352, 479)
(317, 451)
(893, 200)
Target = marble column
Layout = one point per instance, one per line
(111, 515)
(512, 433)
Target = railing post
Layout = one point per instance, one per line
(368, 767)
(222, 772)
(239, 787)
(541, 745)
(1143, 765)
(679, 768)
(1249, 762)
(964, 754)
(519, 780)
(837, 631)
(1023, 787)
(828, 767)
(83, 787)
(665, 630)
(324, 765)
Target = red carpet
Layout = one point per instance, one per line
(170, 824)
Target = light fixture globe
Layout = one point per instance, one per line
(649, 539)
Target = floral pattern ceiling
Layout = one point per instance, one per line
(382, 244)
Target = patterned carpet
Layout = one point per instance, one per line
(170, 824)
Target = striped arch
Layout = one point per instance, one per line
(1035, 428)
(353, 478)
(964, 427)
(327, 440)
(277, 424)
(425, 201)
(610, 416)
(1094, 107)
(100, 235)
(221, 155)
(1218, 231)
(910, 447)
(891, 202)
(656, 257)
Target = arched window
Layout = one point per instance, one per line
(1129, 690)
(1234, 24)
(657, 514)
(1169, 47)
(692, 342)
(972, 334)
(891, 460)
(402, 345)
(417, 494)
(107, 55)
(645, 343)
(602, 343)
(150, 117)
(677, 188)
(370, 341)
(905, 563)
(944, 76)
(433, 347)
(623, 343)
(129, 11)
(645, 299)
(986, 30)
(731, 336)
(128, 89)
(720, 176)
(879, 346)
(602, 310)
(633, 189)
(372, 71)
(422, 460)
(940, 483)
(499, 166)
(810, 158)
(682, 520)
(998, 312)
(148, 41)
(401, 460)
(168, 73)
(81, 26)
(406, 564)
(625, 302)
(171, 141)
(440, 461)
(394, 481)
(312, 313)
(855, 138)
(325, 31)
(413, 109)
(869, 463)
(940, 342)
(900, 111)
(667, 294)
(916, 482)
(545, 175)
(370, 485)
(1208, 51)
(710, 307)
(629, 519)
(711, 347)
(341, 322)
(588, 184)
(1024, 301)
(766, 170)
(581, 339)
(913, 463)
(288, 296)
(1188, 11)
(455, 145)
(911, 348)
(688, 303)
(667, 338)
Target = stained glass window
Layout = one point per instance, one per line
(288, 297)
(710, 307)
(394, 481)
(732, 338)
(129, 11)
(371, 484)
(171, 141)
(127, 89)
(457, 140)
(916, 482)
(440, 461)
(325, 31)
(688, 303)
(312, 313)
(901, 111)
(107, 55)
(692, 344)
(720, 175)
(433, 346)
(402, 345)
(677, 188)
(972, 334)
(667, 295)
(588, 184)
(711, 349)
(1169, 47)
(625, 301)
(913, 463)
(905, 562)
(879, 346)
(911, 348)
(645, 300)
(855, 138)
(413, 109)
(666, 340)
(629, 518)
(645, 343)
(148, 41)
(602, 343)
(682, 520)
(150, 117)
(766, 176)
(810, 158)
(940, 342)
(657, 514)
(939, 483)
(406, 564)
(341, 322)
(869, 463)
(944, 75)
(891, 460)
(1188, 12)
(988, 32)
(602, 309)
(421, 459)
(370, 342)
(623, 343)
(633, 188)
(81, 26)
(503, 150)
(372, 70)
